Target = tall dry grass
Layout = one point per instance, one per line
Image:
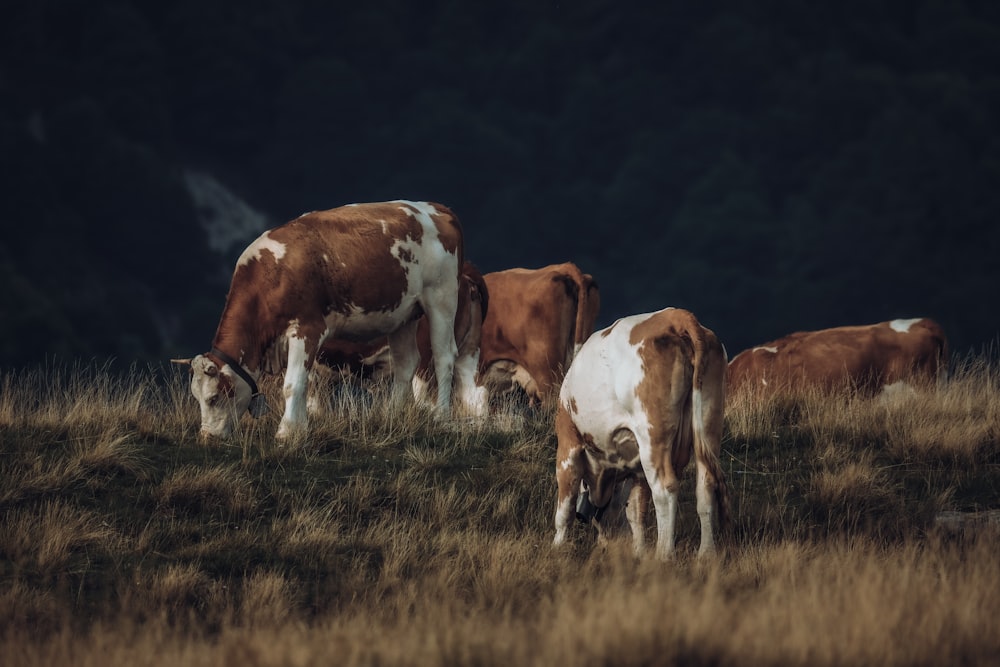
(388, 537)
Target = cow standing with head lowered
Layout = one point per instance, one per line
(537, 321)
(641, 397)
(356, 272)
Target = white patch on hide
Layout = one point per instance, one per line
(903, 326)
(263, 242)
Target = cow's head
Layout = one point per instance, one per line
(222, 395)
(604, 470)
(596, 489)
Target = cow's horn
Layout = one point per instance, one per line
(181, 362)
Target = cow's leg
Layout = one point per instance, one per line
(295, 387)
(524, 378)
(665, 502)
(615, 517)
(440, 304)
(664, 489)
(321, 379)
(710, 489)
(635, 511)
(405, 358)
(468, 337)
(705, 492)
(473, 397)
(569, 473)
(421, 389)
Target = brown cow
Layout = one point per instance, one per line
(538, 319)
(371, 360)
(640, 398)
(865, 359)
(356, 272)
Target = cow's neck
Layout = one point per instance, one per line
(239, 335)
(238, 350)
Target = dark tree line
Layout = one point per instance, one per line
(772, 166)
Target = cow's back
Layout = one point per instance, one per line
(406, 252)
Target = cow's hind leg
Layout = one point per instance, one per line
(665, 494)
(635, 511)
(710, 490)
(664, 489)
(569, 473)
(405, 359)
(440, 305)
(707, 511)
(473, 397)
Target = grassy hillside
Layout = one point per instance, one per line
(389, 538)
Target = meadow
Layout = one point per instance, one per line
(863, 533)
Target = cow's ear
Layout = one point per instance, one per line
(181, 362)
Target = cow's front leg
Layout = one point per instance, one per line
(295, 420)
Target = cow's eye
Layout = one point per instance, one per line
(212, 400)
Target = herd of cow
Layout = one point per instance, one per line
(383, 289)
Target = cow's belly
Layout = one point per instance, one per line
(360, 325)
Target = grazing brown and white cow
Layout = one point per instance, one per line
(639, 399)
(865, 359)
(371, 360)
(355, 272)
(538, 318)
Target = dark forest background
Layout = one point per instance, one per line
(772, 166)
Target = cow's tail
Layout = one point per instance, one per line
(707, 442)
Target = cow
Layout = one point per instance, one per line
(537, 321)
(355, 272)
(639, 399)
(859, 359)
(370, 361)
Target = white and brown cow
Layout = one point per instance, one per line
(863, 359)
(639, 399)
(371, 360)
(355, 272)
(537, 320)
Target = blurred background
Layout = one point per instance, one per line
(772, 166)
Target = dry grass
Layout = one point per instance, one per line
(45, 538)
(387, 537)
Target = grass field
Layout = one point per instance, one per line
(387, 538)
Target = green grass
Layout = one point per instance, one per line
(387, 537)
